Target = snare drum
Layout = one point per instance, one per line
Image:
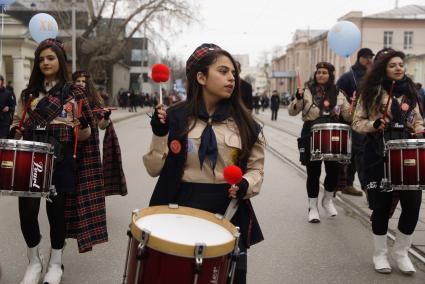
(405, 165)
(26, 168)
(330, 142)
(179, 245)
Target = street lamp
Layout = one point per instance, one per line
(74, 39)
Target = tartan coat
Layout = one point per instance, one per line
(113, 173)
(85, 211)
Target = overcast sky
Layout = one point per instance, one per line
(250, 26)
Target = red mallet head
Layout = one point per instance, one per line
(232, 174)
(326, 103)
(160, 73)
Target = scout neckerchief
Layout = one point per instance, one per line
(208, 147)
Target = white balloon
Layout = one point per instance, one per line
(43, 26)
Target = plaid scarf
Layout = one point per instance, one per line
(113, 174)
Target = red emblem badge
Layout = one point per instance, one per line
(68, 107)
(175, 146)
(405, 107)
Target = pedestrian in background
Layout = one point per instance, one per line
(319, 102)
(349, 83)
(194, 174)
(274, 104)
(257, 103)
(387, 77)
(7, 108)
(264, 101)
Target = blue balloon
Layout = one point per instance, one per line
(6, 2)
(43, 26)
(344, 38)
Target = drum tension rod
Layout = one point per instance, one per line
(144, 237)
(199, 255)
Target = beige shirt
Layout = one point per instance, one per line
(363, 121)
(229, 145)
(311, 112)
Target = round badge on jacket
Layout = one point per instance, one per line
(175, 146)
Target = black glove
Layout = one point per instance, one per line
(158, 128)
(243, 188)
(377, 123)
(12, 133)
(298, 95)
(107, 114)
(83, 123)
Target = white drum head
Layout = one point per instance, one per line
(185, 229)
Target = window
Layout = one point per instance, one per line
(136, 55)
(388, 39)
(408, 40)
(145, 77)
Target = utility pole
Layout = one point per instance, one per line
(74, 39)
(396, 4)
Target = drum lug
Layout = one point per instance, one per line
(235, 257)
(173, 206)
(199, 255)
(144, 237)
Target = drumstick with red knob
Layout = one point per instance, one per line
(233, 175)
(160, 73)
(24, 113)
(77, 131)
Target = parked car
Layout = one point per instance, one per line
(285, 98)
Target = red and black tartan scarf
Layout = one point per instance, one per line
(113, 173)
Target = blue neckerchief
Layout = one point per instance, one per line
(208, 147)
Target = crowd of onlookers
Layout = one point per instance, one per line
(132, 100)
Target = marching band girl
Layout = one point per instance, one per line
(388, 110)
(320, 102)
(195, 140)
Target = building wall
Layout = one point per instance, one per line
(305, 51)
(120, 79)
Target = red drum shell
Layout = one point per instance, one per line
(166, 262)
(25, 168)
(405, 164)
(331, 141)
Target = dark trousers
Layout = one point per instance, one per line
(410, 201)
(28, 215)
(314, 169)
(274, 114)
(4, 131)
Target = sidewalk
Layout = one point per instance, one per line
(287, 144)
(123, 114)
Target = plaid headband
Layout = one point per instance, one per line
(325, 65)
(200, 53)
(48, 43)
(80, 73)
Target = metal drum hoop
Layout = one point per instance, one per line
(27, 146)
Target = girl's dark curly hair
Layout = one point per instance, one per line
(371, 95)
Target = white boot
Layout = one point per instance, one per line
(400, 253)
(328, 204)
(380, 255)
(313, 211)
(35, 266)
(55, 269)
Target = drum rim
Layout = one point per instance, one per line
(25, 145)
(331, 126)
(183, 250)
(330, 157)
(410, 143)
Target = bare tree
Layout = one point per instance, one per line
(114, 22)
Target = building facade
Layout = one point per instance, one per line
(400, 28)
